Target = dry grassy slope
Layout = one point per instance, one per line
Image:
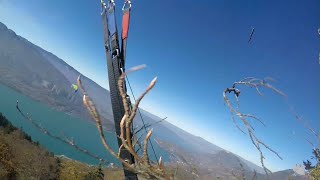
(26, 159)
(21, 158)
(29, 161)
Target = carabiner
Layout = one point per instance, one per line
(124, 8)
(111, 4)
(103, 7)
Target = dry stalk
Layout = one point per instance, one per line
(235, 112)
(142, 164)
(305, 123)
(241, 175)
(254, 175)
(313, 132)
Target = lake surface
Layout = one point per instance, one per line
(57, 123)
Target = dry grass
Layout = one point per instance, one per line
(22, 159)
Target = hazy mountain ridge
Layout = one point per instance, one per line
(196, 143)
(223, 164)
(43, 76)
(28, 68)
(23, 69)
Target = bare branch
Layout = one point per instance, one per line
(137, 142)
(252, 117)
(63, 140)
(142, 164)
(119, 151)
(236, 124)
(256, 83)
(94, 114)
(307, 126)
(145, 149)
(252, 83)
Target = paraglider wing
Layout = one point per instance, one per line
(75, 87)
(251, 34)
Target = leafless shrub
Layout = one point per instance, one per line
(142, 164)
(315, 134)
(237, 114)
(254, 175)
(306, 125)
(241, 175)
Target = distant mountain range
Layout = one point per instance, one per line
(46, 78)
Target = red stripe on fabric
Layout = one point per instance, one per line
(125, 24)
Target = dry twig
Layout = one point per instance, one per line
(142, 164)
(63, 140)
(305, 123)
(235, 112)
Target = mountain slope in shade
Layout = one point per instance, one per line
(25, 70)
(99, 95)
(43, 76)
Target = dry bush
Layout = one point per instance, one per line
(25, 159)
(74, 170)
(7, 169)
(142, 165)
(241, 175)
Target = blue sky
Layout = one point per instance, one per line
(197, 49)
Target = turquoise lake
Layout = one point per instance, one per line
(57, 123)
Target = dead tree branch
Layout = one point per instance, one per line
(63, 140)
(142, 164)
(236, 114)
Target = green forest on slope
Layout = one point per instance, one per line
(21, 158)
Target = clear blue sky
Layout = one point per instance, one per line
(197, 49)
